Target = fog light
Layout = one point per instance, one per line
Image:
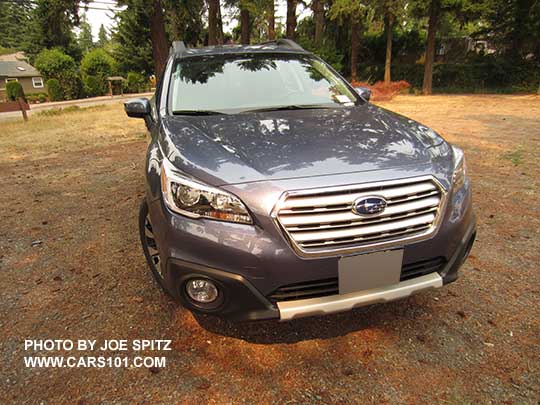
(201, 290)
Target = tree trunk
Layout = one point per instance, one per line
(518, 33)
(244, 26)
(291, 19)
(213, 6)
(355, 40)
(220, 36)
(434, 10)
(160, 46)
(388, 61)
(177, 29)
(318, 16)
(271, 20)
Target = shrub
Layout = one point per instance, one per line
(55, 90)
(54, 64)
(96, 66)
(36, 97)
(488, 73)
(93, 86)
(136, 83)
(97, 62)
(14, 90)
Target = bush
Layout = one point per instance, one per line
(478, 74)
(136, 83)
(93, 86)
(54, 64)
(97, 62)
(14, 90)
(96, 66)
(55, 90)
(36, 98)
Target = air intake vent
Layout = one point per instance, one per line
(330, 286)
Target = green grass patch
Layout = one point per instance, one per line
(53, 112)
(6, 51)
(516, 157)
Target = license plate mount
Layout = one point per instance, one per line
(370, 270)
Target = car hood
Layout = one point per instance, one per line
(277, 145)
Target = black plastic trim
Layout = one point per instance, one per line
(450, 272)
(241, 301)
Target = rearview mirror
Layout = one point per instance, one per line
(137, 108)
(364, 93)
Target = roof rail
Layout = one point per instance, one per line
(289, 43)
(178, 47)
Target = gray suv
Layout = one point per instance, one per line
(276, 190)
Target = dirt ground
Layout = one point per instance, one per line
(71, 268)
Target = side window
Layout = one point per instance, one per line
(37, 82)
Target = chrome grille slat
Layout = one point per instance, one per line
(364, 239)
(364, 230)
(348, 215)
(322, 221)
(348, 198)
(358, 223)
(344, 208)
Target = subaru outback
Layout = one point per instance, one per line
(277, 190)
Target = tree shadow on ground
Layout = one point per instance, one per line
(392, 315)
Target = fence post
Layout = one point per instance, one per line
(22, 107)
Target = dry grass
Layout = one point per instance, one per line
(74, 181)
(54, 132)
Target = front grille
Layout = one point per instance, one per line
(418, 269)
(330, 286)
(310, 289)
(319, 221)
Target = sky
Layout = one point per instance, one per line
(98, 15)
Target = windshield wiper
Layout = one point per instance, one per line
(197, 112)
(292, 107)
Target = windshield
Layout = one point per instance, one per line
(239, 83)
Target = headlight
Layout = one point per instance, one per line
(460, 167)
(197, 200)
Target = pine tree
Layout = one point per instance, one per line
(85, 39)
(51, 26)
(103, 37)
(132, 34)
(353, 12)
(14, 21)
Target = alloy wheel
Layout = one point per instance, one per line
(152, 245)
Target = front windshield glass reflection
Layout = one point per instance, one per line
(244, 82)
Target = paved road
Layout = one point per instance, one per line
(87, 102)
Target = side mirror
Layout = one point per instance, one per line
(137, 108)
(364, 93)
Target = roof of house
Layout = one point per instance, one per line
(19, 55)
(17, 69)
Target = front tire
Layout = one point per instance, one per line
(150, 247)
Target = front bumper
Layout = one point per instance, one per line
(243, 302)
(249, 263)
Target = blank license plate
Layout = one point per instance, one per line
(372, 270)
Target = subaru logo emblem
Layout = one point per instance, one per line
(369, 205)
